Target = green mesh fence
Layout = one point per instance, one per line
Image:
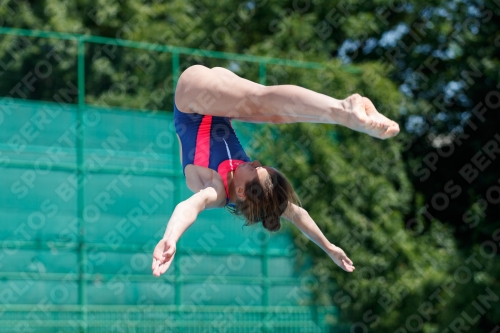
(87, 192)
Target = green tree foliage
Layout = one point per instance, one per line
(410, 220)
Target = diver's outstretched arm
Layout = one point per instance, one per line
(184, 215)
(220, 92)
(300, 217)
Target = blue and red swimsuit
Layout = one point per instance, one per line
(209, 141)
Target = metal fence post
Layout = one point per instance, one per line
(175, 69)
(262, 73)
(265, 285)
(82, 250)
(265, 253)
(177, 182)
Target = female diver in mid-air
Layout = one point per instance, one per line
(219, 172)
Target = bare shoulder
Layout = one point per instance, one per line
(200, 178)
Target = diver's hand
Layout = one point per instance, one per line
(163, 256)
(339, 257)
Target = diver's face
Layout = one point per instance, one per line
(246, 172)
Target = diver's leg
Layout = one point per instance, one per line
(219, 92)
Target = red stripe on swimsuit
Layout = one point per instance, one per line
(202, 152)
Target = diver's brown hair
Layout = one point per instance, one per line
(266, 202)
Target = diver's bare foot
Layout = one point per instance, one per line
(363, 117)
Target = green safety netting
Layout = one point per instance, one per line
(120, 172)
